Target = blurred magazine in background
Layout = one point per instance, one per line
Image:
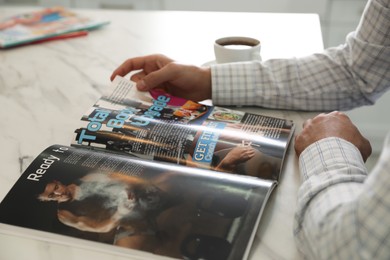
(46, 24)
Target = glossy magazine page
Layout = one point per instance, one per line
(84, 197)
(160, 127)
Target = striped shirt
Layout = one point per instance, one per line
(343, 211)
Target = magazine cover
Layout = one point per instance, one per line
(116, 203)
(157, 126)
(49, 23)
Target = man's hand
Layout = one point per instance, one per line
(335, 124)
(159, 71)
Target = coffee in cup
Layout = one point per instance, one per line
(236, 48)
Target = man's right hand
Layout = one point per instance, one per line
(334, 124)
(158, 71)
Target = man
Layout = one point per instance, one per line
(343, 212)
(100, 202)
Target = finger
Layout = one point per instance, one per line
(342, 115)
(314, 119)
(252, 153)
(158, 77)
(298, 145)
(367, 150)
(138, 76)
(248, 154)
(128, 66)
(307, 122)
(137, 63)
(336, 113)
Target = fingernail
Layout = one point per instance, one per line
(141, 85)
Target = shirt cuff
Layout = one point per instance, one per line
(331, 155)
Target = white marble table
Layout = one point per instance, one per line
(45, 88)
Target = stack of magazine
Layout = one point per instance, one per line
(44, 25)
(151, 174)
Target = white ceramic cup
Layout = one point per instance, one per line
(236, 48)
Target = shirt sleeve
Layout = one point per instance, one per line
(340, 78)
(343, 212)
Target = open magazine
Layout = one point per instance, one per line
(44, 25)
(151, 174)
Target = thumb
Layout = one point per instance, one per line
(156, 78)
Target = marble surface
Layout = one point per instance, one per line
(45, 88)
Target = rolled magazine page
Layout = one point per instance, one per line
(158, 126)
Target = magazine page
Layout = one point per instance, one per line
(158, 126)
(83, 197)
(48, 23)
